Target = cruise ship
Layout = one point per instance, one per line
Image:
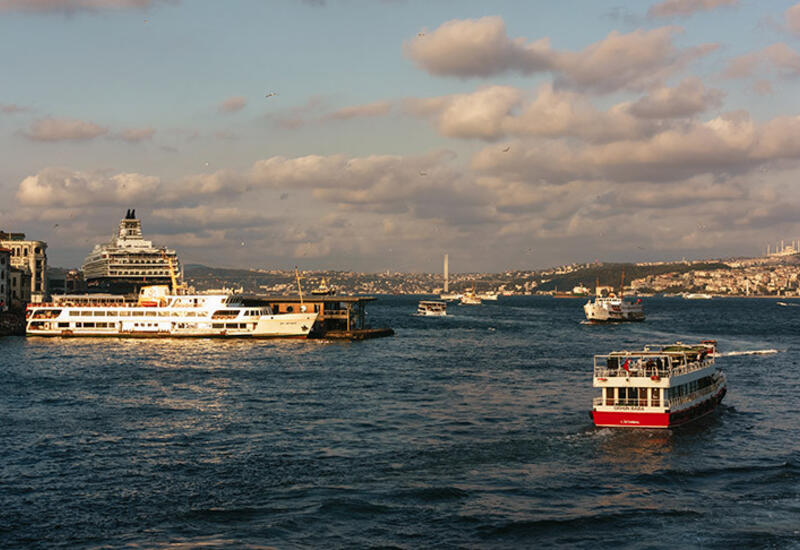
(128, 262)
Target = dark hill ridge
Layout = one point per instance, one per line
(205, 277)
(611, 274)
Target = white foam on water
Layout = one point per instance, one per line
(748, 352)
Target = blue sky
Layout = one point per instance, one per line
(510, 135)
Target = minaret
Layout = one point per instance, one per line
(445, 273)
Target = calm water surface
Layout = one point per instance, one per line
(470, 431)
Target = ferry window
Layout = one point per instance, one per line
(88, 325)
(654, 397)
(111, 313)
(99, 313)
(63, 325)
(86, 313)
(138, 313)
(163, 313)
(217, 325)
(316, 308)
(289, 309)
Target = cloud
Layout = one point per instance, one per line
(232, 105)
(634, 61)
(494, 112)
(64, 188)
(64, 129)
(727, 145)
(187, 219)
(136, 135)
(476, 47)
(10, 108)
(685, 8)
(482, 48)
(779, 57)
(688, 98)
(793, 19)
(73, 6)
(377, 108)
(477, 115)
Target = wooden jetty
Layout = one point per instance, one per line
(340, 317)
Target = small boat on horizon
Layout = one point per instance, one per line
(430, 308)
(697, 296)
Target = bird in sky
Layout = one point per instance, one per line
(507, 149)
(421, 173)
(420, 34)
(242, 243)
(270, 94)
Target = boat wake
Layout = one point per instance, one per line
(748, 352)
(785, 304)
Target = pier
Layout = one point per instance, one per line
(340, 317)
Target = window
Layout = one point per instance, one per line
(63, 325)
(655, 398)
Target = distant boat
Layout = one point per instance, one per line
(610, 308)
(324, 290)
(469, 298)
(432, 309)
(450, 297)
(697, 296)
(490, 296)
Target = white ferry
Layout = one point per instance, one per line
(610, 309)
(432, 309)
(697, 296)
(161, 313)
(469, 298)
(657, 388)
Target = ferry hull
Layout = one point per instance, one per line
(628, 419)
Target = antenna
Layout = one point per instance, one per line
(299, 288)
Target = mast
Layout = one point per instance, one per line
(622, 285)
(299, 288)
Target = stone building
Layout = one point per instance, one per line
(5, 279)
(30, 257)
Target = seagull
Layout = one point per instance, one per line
(284, 196)
(421, 173)
(270, 94)
(242, 243)
(55, 225)
(507, 149)
(420, 34)
(206, 163)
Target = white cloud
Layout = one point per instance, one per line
(476, 47)
(232, 105)
(73, 6)
(64, 188)
(481, 48)
(793, 18)
(688, 98)
(685, 8)
(377, 108)
(64, 129)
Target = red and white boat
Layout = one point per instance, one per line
(657, 387)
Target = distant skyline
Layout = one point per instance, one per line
(373, 135)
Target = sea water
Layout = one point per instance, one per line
(466, 431)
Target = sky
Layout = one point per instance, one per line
(373, 135)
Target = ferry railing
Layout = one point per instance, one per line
(648, 366)
(680, 400)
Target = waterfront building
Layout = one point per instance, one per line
(128, 261)
(5, 279)
(30, 257)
